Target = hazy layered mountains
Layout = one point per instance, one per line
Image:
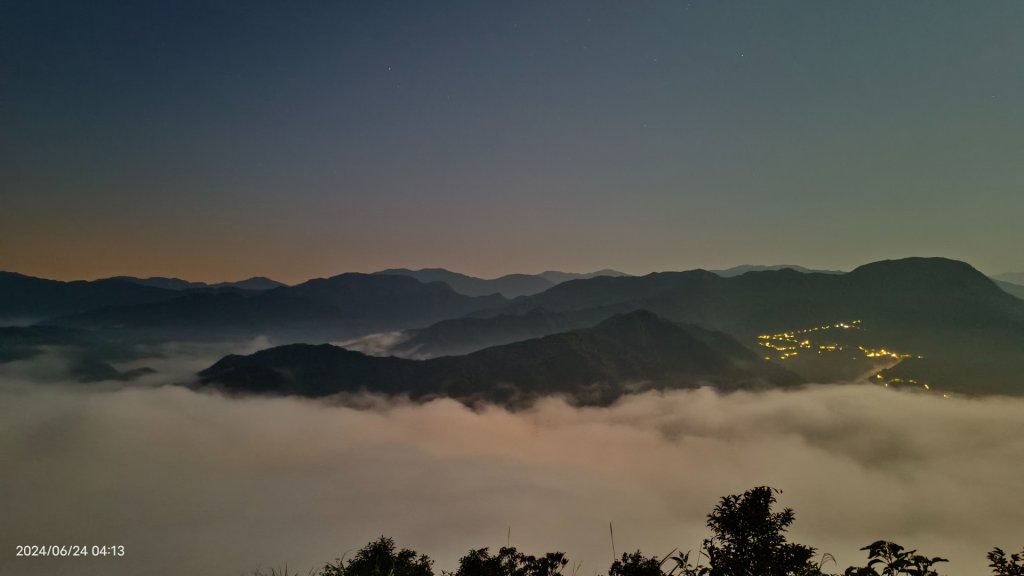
(951, 326)
(84, 355)
(744, 268)
(254, 283)
(624, 353)
(323, 309)
(913, 292)
(510, 285)
(464, 335)
(1011, 288)
(968, 330)
(1011, 277)
(25, 298)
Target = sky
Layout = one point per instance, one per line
(221, 140)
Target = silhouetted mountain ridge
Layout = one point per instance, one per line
(254, 283)
(324, 309)
(509, 285)
(28, 297)
(1011, 277)
(1011, 288)
(465, 335)
(969, 331)
(744, 268)
(923, 288)
(596, 365)
(942, 309)
(557, 277)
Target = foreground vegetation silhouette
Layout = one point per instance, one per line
(748, 539)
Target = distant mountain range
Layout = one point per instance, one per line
(743, 269)
(254, 283)
(1011, 288)
(510, 285)
(25, 299)
(629, 352)
(324, 309)
(953, 328)
(913, 289)
(1012, 283)
(970, 332)
(1011, 277)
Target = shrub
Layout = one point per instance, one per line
(379, 558)
(894, 560)
(1003, 566)
(636, 564)
(750, 539)
(510, 562)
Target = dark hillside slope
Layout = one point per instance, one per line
(970, 332)
(464, 335)
(595, 365)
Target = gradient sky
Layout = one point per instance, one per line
(218, 140)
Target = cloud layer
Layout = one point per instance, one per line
(198, 483)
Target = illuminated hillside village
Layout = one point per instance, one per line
(842, 346)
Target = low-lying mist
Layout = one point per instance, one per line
(196, 483)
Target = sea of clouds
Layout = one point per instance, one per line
(197, 483)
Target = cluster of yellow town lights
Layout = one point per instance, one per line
(882, 353)
(904, 382)
(785, 345)
(790, 343)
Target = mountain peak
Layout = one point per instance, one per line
(745, 268)
(627, 352)
(922, 269)
(634, 318)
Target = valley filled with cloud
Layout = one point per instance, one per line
(196, 482)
